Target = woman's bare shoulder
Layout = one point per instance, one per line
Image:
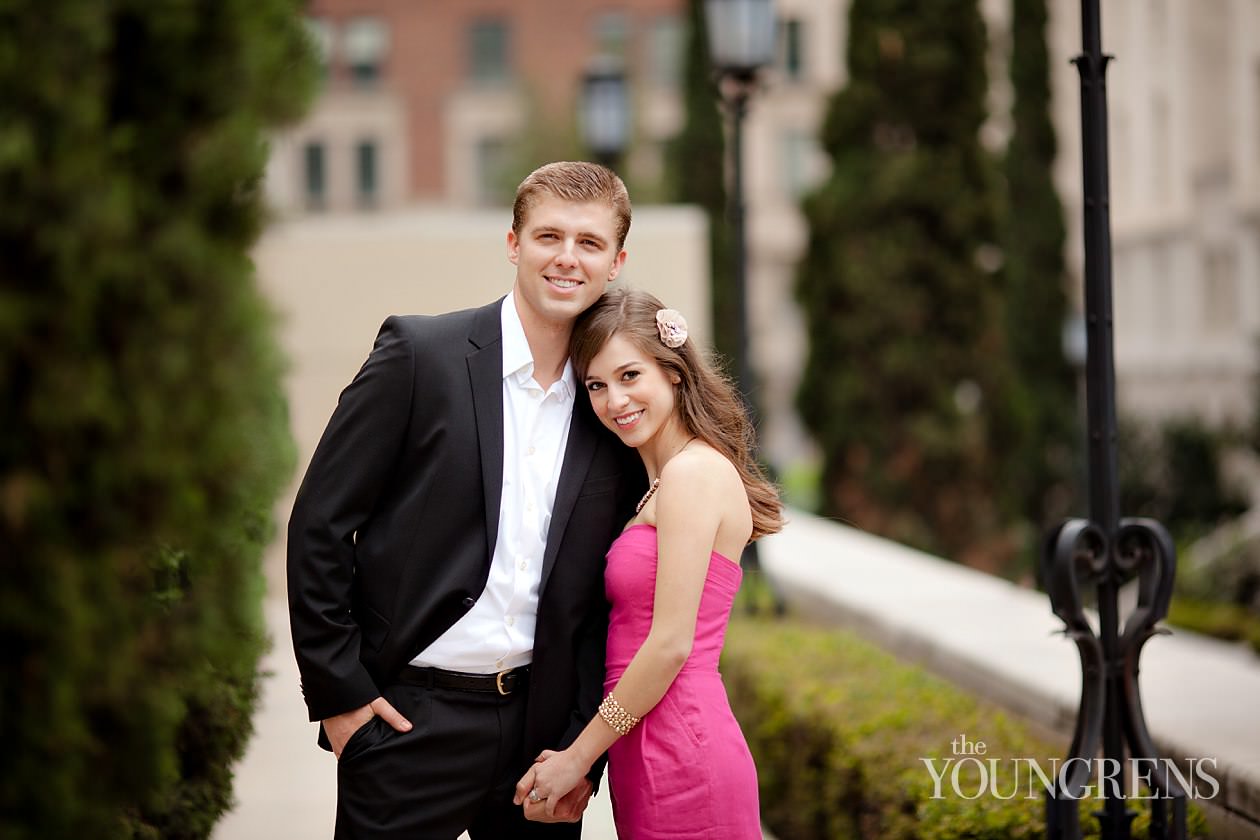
(702, 474)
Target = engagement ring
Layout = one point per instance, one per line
(534, 797)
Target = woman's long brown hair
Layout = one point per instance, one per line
(708, 404)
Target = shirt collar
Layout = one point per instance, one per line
(518, 361)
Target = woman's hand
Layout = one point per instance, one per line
(552, 777)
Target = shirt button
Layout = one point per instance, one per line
(510, 621)
(531, 451)
(499, 664)
(524, 565)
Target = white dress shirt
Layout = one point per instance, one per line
(498, 632)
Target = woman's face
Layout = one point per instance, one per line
(630, 392)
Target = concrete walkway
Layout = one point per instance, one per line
(1201, 696)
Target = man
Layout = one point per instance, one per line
(446, 547)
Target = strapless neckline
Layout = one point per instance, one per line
(630, 528)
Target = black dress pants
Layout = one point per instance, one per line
(455, 771)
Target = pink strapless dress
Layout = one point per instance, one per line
(684, 772)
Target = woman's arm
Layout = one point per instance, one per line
(688, 513)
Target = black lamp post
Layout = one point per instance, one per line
(741, 42)
(1105, 550)
(605, 112)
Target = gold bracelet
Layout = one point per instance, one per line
(616, 716)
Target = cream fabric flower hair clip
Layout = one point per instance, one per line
(672, 326)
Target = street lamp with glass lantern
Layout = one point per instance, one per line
(605, 112)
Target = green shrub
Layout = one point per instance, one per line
(840, 732)
(1172, 472)
(145, 436)
(1213, 618)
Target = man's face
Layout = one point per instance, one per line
(565, 256)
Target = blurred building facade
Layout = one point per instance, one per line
(430, 102)
(1184, 103)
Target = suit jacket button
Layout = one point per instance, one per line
(469, 602)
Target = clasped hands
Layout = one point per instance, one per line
(555, 789)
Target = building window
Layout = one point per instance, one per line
(1160, 158)
(1119, 156)
(665, 52)
(314, 175)
(791, 49)
(320, 31)
(493, 162)
(1221, 303)
(366, 173)
(1255, 104)
(798, 159)
(1159, 30)
(366, 47)
(488, 52)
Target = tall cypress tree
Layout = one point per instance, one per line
(143, 430)
(904, 387)
(695, 168)
(1044, 467)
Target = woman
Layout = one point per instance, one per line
(678, 763)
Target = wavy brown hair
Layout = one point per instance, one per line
(707, 402)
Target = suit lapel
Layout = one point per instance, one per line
(578, 453)
(485, 372)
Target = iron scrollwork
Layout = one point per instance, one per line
(1078, 557)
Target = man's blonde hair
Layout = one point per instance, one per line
(574, 181)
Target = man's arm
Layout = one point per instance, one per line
(592, 643)
(348, 470)
(593, 635)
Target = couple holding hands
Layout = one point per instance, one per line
(514, 553)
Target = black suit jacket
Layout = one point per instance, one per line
(393, 528)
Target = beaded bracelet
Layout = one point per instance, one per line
(616, 716)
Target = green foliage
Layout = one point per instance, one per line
(1231, 622)
(1252, 432)
(144, 431)
(841, 733)
(906, 384)
(1041, 470)
(1228, 576)
(1172, 472)
(694, 168)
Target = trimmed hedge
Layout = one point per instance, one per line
(840, 730)
(145, 435)
(1230, 622)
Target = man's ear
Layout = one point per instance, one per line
(618, 262)
(513, 247)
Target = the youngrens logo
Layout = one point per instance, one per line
(970, 774)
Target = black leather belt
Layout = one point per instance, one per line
(504, 682)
